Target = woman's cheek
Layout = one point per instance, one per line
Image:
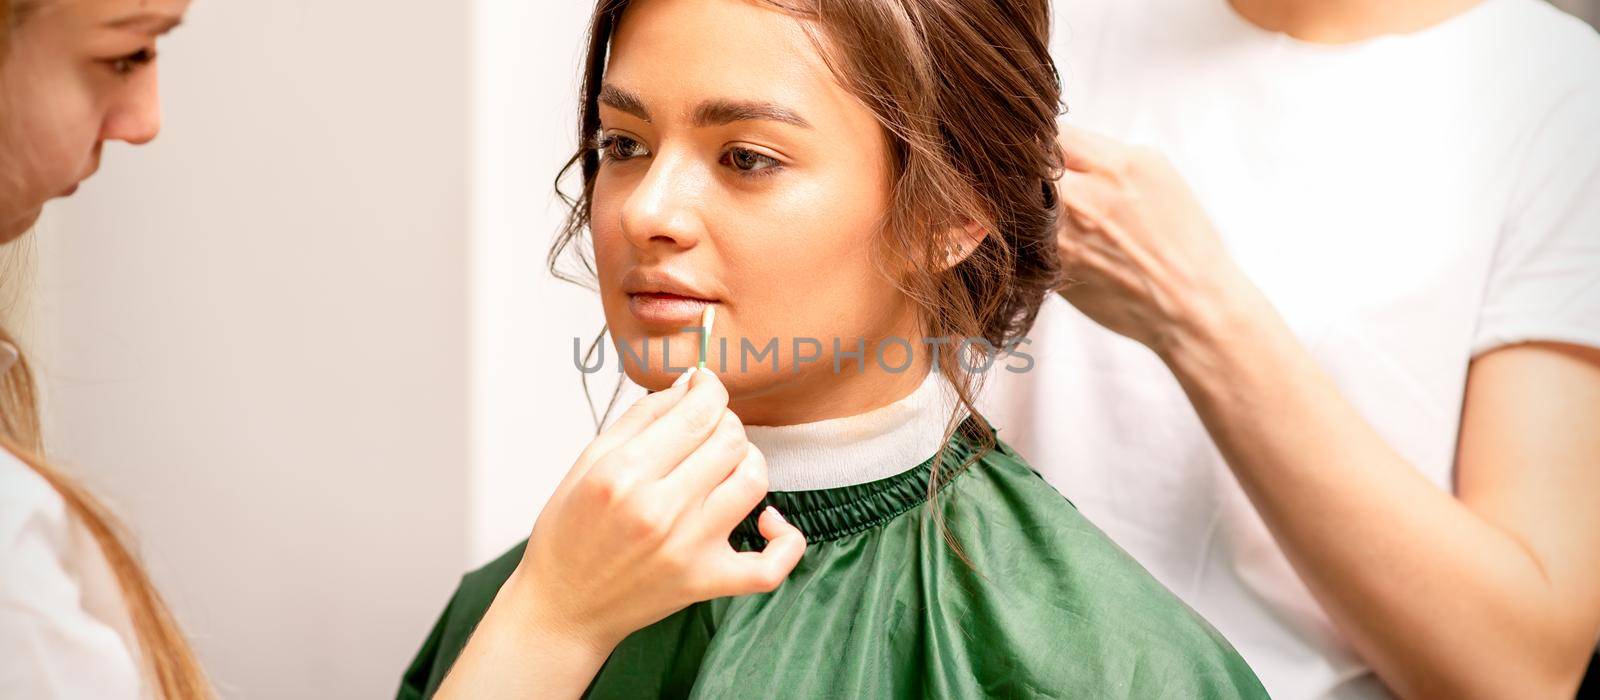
(605, 230)
(830, 264)
(63, 133)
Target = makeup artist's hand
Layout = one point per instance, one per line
(636, 531)
(1139, 252)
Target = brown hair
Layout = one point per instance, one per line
(967, 95)
(163, 649)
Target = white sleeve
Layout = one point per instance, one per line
(51, 644)
(1544, 282)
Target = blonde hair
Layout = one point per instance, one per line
(165, 651)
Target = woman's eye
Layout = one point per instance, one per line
(616, 147)
(749, 162)
(130, 63)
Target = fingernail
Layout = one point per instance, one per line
(682, 378)
(776, 514)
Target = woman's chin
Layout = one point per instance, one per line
(14, 228)
(656, 377)
(655, 362)
(653, 378)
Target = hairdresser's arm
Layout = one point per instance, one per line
(1485, 593)
(636, 531)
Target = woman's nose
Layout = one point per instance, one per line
(136, 116)
(662, 210)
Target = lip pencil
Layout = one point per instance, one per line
(707, 318)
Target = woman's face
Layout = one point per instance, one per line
(736, 172)
(79, 73)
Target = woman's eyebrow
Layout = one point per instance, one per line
(624, 100)
(719, 112)
(713, 112)
(146, 22)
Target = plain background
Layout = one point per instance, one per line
(306, 343)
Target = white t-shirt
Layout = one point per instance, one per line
(1407, 203)
(64, 629)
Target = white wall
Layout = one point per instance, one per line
(530, 416)
(305, 342)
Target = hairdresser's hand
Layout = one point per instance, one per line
(1139, 252)
(636, 531)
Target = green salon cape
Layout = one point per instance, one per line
(880, 606)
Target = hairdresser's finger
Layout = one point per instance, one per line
(1088, 201)
(638, 416)
(673, 436)
(1103, 216)
(1072, 228)
(760, 572)
(719, 456)
(732, 500)
(1085, 151)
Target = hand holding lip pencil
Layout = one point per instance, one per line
(636, 531)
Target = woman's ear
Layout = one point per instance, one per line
(962, 241)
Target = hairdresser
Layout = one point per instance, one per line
(79, 617)
(1328, 362)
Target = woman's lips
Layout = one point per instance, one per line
(672, 312)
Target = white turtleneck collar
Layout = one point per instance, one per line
(861, 448)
